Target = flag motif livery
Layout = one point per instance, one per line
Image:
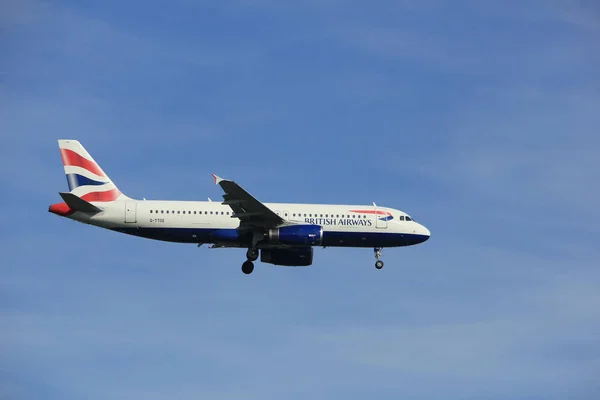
(85, 177)
(383, 215)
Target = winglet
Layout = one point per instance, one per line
(217, 179)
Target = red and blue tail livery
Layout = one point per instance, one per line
(84, 176)
(282, 234)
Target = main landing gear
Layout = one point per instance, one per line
(378, 263)
(248, 265)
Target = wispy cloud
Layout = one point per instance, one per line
(478, 118)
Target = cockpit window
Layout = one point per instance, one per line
(402, 218)
(408, 218)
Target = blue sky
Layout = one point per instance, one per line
(480, 119)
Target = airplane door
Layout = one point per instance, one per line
(130, 211)
(380, 221)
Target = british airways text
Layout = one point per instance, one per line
(334, 221)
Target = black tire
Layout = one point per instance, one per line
(379, 264)
(252, 254)
(247, 267)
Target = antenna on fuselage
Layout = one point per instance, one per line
(209, 200)
(375, 205)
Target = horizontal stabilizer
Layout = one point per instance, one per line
(78, 204)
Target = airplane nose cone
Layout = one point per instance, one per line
(425, 232)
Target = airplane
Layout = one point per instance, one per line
(284, 233)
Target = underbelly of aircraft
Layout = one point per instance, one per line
(330, 238)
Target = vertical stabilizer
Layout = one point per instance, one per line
(85, 177)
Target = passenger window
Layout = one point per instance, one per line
(211, 213)
(150, 211)
(167, 211)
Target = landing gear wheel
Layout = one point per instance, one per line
(252, 254)
(379, 263)
(247, 267)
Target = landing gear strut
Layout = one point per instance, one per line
(378, 263)
(248, 265)
(252, 254)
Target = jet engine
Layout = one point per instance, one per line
(293, 257)
(309, 235)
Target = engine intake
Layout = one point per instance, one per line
(310, 235)
(294, 257)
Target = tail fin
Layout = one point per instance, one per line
(84, 176)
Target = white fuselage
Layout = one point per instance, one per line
(206, 222)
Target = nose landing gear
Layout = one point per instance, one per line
(378, 263)
(248, 265)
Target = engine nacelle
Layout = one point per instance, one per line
(309, 235)
(294, 257)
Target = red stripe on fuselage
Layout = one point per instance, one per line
(69, 157)
(109, 195)
(371, 212)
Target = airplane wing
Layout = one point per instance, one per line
(250, 211)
